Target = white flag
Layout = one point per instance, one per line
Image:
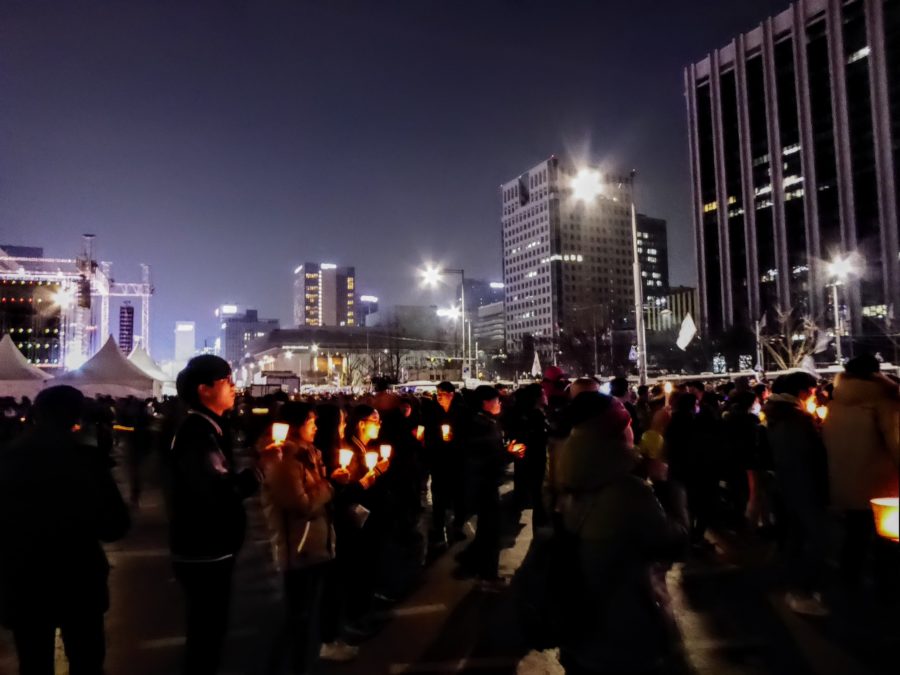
(809, 365)
(822, 343)
(536, 366)
(687, 332)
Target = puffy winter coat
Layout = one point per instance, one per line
(862, 436)
(620, 530)
(296, 501)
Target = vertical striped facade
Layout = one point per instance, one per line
(794, 135)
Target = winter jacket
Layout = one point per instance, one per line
(296, 501)
(58, 501)
(207, 517)
(862, 436)
(620, 532)
(799, 456)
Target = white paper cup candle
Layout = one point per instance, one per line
(345, 456)
(371, 460)
(280, 432)
(385, 451)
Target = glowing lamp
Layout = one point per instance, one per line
(280, 432)
(371, 460)
(260, 411)
(345, 456)
(445, 432)
(885, 511)
(385, 451)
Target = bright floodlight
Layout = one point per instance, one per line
(586, 186)
(430, 275)
(840, 268)
(449, 313)
(64, 298)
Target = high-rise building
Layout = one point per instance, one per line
(126, 327)
(653, 254)
(489, 328)
(794, 136)
(324, 295)
(239, 329)
(567, 261)
(480, 293)
(368, 304)
(185, 341)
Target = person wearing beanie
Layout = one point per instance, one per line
(614, 532)
(862, 438)
(58, 502)
(207, 517)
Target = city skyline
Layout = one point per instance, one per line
(237, 142)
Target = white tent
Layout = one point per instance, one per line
(17, 376)
(145, 362)
(108, 372)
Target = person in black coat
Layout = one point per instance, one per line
(526, 423)
(207, 517)
(58, 501)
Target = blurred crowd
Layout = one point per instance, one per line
(359, 493)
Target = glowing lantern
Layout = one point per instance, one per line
(445, 432)
(886, 517)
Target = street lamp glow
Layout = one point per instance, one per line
(430, 275)
(841, 268)
(586, 185)
(448, 313)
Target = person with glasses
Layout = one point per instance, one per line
(206, 512)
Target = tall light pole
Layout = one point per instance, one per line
(430, 277)
(840, 269)
(586, 187)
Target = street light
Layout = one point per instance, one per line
(840, 269)
(586, 187)
(430, 277)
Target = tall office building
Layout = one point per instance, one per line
(126, 327)
(480, 293)
(185, 341)
(794, 131)
(239, 329)
(324, 295)
(653, 254)
(567, 263)
(368, 304)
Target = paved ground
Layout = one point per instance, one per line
(732, 620)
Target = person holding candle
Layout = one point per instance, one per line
(526, 423)
(444, 444)
(360, 518)
(297, 505)
(862, 435)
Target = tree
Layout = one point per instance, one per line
(794, 337)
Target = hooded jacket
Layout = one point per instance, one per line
(862, 436)
(621, 531)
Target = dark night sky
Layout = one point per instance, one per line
(226, 142)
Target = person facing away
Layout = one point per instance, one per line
(58, 502)
(207, 518)
(862, 437)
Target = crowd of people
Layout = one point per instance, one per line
(620, 487)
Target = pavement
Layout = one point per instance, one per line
(730, 613)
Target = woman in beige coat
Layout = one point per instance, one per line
(862, 436)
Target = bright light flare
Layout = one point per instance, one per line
(840, 268)
(449, 313)
(586, 185)
(430, 275)
(64, 297)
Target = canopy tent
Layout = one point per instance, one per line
(143, 360)
(17, 376)
(108, 372)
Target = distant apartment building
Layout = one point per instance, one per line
(239, 329)
(653, 254)
(324, 295)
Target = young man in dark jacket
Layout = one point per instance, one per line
(207, 518)
(58, 501)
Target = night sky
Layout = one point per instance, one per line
(224, 143)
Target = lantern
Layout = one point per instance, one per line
(885, 511)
